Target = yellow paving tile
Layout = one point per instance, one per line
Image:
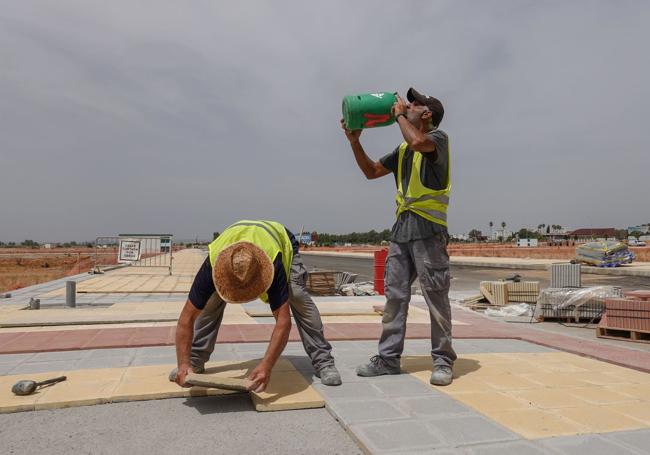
(556, 379)
(287, 389)
(562, 367)
(602, 378)
(549, 398)
(598, 419)
(629, 376)
(74, 393)
(491, 401)
(584, 397)
(637, 410)
(639, 391)
(598, 395)
(509, 382)
(464, 384)
(537, 423)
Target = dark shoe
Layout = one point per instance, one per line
(329, 376)
(441, 375)
(174, 372)
(376, 367)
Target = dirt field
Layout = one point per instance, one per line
(21, 267)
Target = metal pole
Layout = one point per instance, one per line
(71, 294)
(34, 304)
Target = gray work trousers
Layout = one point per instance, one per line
(428, 261)
(305, 314)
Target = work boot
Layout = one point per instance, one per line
(442, 375)
(329, 376)
(174, 372)
(377, 367)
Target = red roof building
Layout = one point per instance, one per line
(593, 233)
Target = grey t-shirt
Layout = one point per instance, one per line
(433, 174)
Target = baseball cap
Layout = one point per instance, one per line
(434, 104)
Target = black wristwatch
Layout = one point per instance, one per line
(399, 115)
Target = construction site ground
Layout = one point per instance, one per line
(519, 388)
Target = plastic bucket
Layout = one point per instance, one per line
(380, 269)
(368, 110)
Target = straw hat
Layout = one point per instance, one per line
(242, 272)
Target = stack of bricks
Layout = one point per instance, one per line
(630, 314)
(503, 292)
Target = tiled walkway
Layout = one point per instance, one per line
(391, 414)
(476, 327)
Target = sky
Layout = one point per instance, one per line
(183, 117)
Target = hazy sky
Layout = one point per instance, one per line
(183, 117)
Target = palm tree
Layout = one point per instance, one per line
(491, 224)
(503, 230)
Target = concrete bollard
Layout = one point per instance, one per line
(71, 294)
(34, 304)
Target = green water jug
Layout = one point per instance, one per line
(368, 110)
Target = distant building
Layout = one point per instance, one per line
(587, 234)
(500, 234)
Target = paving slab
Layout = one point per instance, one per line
(365, 410)
(515, 448)
(636, 440)
(466, 430)
(551, 403)
(406, 435)
(401, 387)
(433, 406)
(592, 445)
(287, 389)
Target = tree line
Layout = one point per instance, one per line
(371, 237)
(34, 244)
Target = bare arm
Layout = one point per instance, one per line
(184, 335)
(415, 138)
(262, 373)
(371, 169)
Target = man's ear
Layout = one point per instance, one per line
(426, 115)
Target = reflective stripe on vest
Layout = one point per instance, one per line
(429, 204)
(270, 236)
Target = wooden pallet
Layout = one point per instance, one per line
(321, 282)
(623, 334)
(503, 292)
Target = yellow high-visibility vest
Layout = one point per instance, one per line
(429, 204)
(269, 236)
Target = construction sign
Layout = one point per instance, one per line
(129, 251)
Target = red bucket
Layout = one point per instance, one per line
(380, 268)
